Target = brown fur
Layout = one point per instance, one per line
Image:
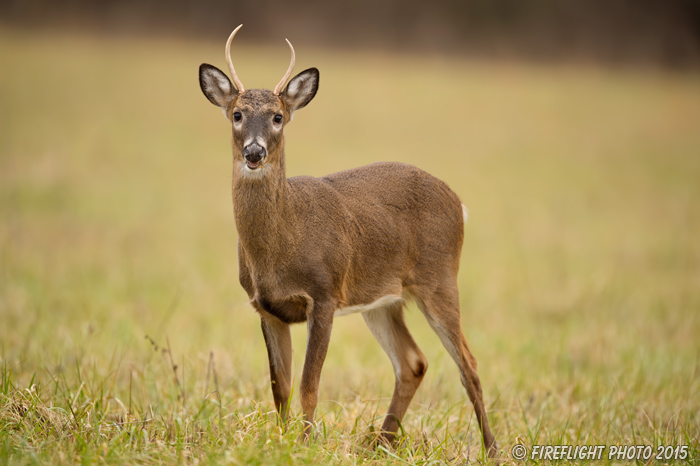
(310, 246)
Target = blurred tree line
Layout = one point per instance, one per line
(666, 32)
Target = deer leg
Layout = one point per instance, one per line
(441, 308)
(319, 325)
(278, 340)
(389, 328)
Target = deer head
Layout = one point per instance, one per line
(258, 116)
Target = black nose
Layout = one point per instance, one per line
(254, 153)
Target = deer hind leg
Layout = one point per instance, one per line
(441, 308)
(389, 328)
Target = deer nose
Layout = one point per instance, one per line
(254, 152)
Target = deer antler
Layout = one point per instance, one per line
(286, 76)
(237, 82)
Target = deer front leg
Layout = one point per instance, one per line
(278, 340)
(319, 324)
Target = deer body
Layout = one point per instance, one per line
(350, 239)
(360, 240)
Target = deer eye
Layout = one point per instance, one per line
(237, 116)
(277, 119)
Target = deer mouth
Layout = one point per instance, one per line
(253, 165)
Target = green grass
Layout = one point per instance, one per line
(580, 278)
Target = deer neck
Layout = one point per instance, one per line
(263, 211)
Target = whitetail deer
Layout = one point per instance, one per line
(360, 240)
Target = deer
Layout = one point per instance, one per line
(364, 240)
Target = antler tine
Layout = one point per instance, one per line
(286, 76)
(237, 82)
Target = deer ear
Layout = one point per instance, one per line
(216, 86)
(301, 89)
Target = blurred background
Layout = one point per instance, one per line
(666, 32)
(570, 129)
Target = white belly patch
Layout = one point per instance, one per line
(383, 302)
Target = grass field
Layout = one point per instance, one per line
(580, 277)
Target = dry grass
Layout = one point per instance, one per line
(580, 281)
